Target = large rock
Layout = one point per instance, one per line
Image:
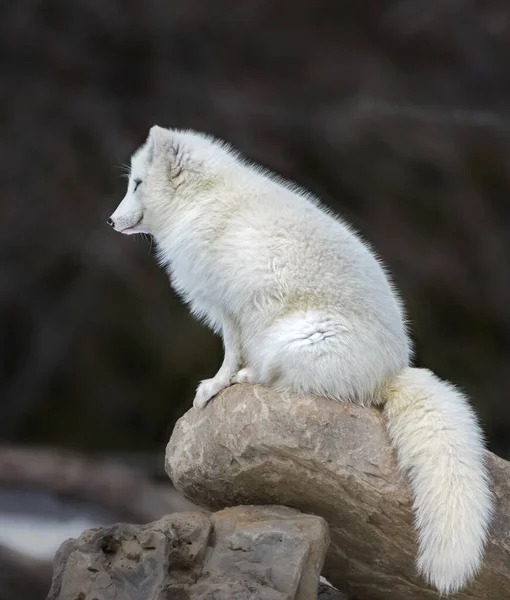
(253, 446)
(243, 553)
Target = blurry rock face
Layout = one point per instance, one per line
(99, 489)
(242, 553)
(21, 577)
(253, 446)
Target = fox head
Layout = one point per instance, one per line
(171, 167)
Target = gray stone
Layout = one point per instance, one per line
(279, 545)
(243, 553)
(253, 446)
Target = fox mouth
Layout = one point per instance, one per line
(131, 227)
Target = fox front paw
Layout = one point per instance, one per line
(245, 375)
(207, 389)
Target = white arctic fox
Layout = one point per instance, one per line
(304, 305)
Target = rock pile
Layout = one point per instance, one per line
(243, 553)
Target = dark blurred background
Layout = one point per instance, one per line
(394, 112)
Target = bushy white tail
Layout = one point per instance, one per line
(440, 445)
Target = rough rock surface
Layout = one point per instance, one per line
(242, 553)
(252, 446)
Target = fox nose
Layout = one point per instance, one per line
(110, 223)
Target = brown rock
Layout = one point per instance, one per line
(253, 446)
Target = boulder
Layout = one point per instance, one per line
(251, 445)
(242, 553)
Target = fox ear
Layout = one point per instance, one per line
(158, 140)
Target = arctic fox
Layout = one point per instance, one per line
(304, 305)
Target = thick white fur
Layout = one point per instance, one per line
(440, 445)
(304, 305)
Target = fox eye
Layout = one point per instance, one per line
(137, 182)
